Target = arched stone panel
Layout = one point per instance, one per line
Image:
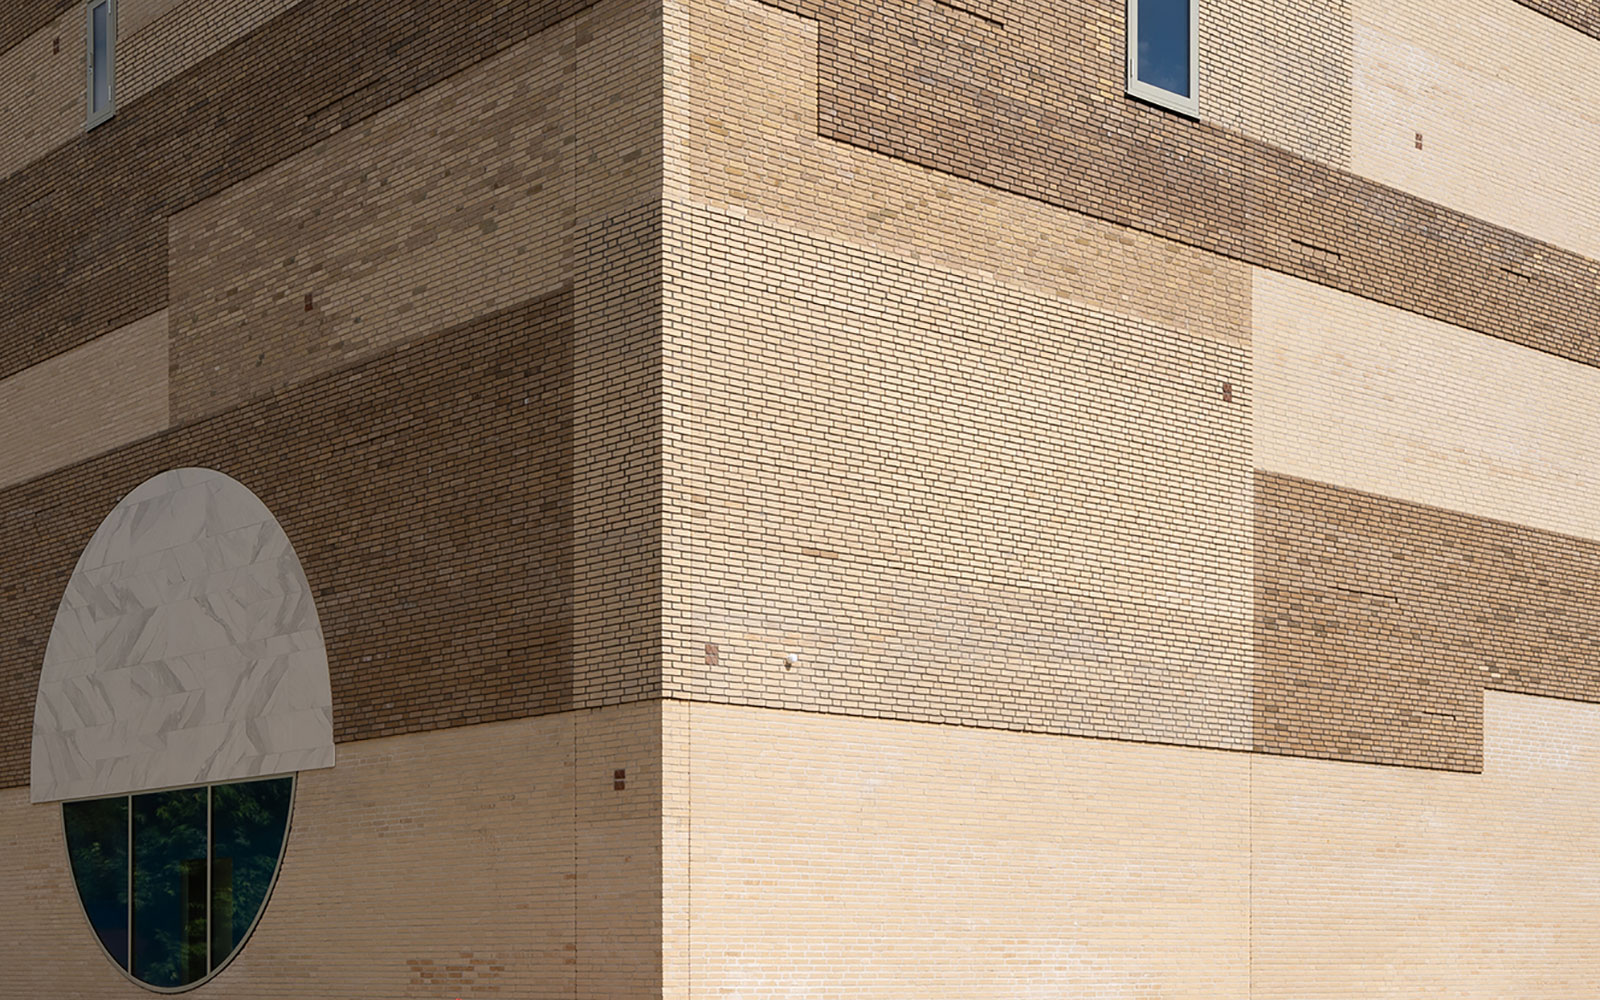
(186, 650)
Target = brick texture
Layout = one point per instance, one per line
(21, 18)
(449, 205)
(90, 400)
(421, 866)
(428, 494)
(876, 859)
(165, 39)
(204, 131)
(1379, 623)
(42, 78)
(1356, 394)
(922, 483)
(1580, 15)
(742, 109)
(1038, 109)
(1503, 100)
(1281, 73)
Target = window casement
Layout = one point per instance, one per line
(1163, 53)
(102, 60)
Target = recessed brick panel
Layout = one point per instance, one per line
(1379, 623)
(105, 198)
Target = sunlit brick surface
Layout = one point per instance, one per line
(864, 858)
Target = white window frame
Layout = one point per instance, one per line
(111, 62)
(1189, 106)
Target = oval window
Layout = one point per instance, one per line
(173, 882)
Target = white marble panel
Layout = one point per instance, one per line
(186, 649)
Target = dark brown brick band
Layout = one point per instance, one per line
(85, 247)
(1580, 15)
(21, 18)
(1379, 623)
(428, 494)
(1037, 108)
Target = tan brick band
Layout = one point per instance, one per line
(1037, 108)
(428, 494)
(202, 132)
(86, 402)
(1379, 623)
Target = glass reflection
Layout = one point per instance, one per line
(248, 822)
(169, 887)
(200, 862)
(97, 846)
(1164, 45)
(102, 58)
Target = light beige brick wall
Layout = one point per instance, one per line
(453, 204)
(897, 445)
(863, 858)
(485, 860)
(837, 857)
(44, 90)
(1504, 100)
(1280, 73)
(829, 856)
(1361, 395)
(1387, 882)
(88, 401)
(954, 499)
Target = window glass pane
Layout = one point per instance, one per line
(1164, 45)
(100, 92)
(97, 844)
(169, 887)
(248, 823)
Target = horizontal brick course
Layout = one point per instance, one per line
(1379, 623)
(204, 131)
(21, 18)
(956, 501)
(1038, 109)
(428, 494)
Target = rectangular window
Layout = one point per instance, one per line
(1163, 53)
(102, 60)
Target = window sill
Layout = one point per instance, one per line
(1188, 107)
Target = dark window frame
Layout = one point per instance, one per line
(214, 964)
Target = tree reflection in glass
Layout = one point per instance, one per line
(169, 887)
(200, 863)
(247, 827)
(97, 846)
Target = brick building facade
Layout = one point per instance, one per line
(836, 498)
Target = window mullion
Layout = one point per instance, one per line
(129, 953)
(210, 850)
